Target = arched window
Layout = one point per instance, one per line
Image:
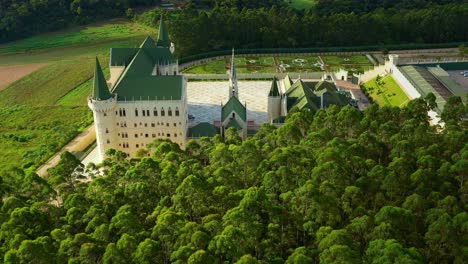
(162, 112)
(124, 113)
(107, 131)
(169, 112)
(155, 112)
(177, 111)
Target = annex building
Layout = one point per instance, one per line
(146, 99)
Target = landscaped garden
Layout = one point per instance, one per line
(352, 63)
(385, 91)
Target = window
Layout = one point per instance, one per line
(118, 134)
(108, 141)
(136, 135)
(146, 125)
(147, 113)
(177, 111)
(141, 124)
(175, 134)
(180, 123)
(233, 115)
(153, 135)
(107, 131)
(143, 112)
(124, 113)
(162, 112)
(137, 145)
(116, 112)
(153, 125)
(105, 114)
(175, 124)
(159, 134)
(169, 112)
(146, 135)
(136, 112)
(136, 125)
(120, 144)
(168, 135)
(117, 123)
(155, 112)
(167, 124)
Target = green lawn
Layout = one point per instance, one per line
(386, 92)
(46, 109)
(301, 4)
(295, 63)
(212, 67)
(345, 59)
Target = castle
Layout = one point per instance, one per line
(145, 99)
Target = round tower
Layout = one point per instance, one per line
(104, 122)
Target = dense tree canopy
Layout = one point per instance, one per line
(340, 186)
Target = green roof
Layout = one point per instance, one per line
(148, 43)
(122, 56)
(100, 89)
(163, 37)
(233, 123)
(202, 130)
(234, 105)
(150, 88)
(448, 82)
(300, 95)
(287, 82)
(274, 91)
(233, 66)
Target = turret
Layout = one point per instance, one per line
(163, 37)
(102, 103)
(274, 101)
(233, 87)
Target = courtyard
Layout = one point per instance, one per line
(205, 98)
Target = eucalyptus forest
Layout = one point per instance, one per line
(337, 186)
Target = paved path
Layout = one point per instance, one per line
(77, 144)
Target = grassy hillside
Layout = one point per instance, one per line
(44, 110)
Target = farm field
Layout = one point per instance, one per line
(386, 92)
(302, 4)
(45, 109)
(9, 74)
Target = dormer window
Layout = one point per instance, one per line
(155, 112)
(162, 112)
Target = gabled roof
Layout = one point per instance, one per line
(301, 95)
(100, 89)
(233, 123)
(274, 91)
(202, 130)
(148, 43)
(122, 56)
(287, 82)
(234, 105)
(163, 37)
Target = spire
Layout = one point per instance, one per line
(233, 89)
(100, 91)
(233, 66)
(163, 37)
(274, 91)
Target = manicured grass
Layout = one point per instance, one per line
(301, 4)
(344, 59)
(212, 67)
(255, 64)
(386, 92)
(298, 66)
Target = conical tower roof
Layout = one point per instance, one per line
(100, 89)
(163, 37)
(274, 91)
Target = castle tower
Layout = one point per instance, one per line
(274, 101)
(233, 87)
(163, 37)
(102, 103)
